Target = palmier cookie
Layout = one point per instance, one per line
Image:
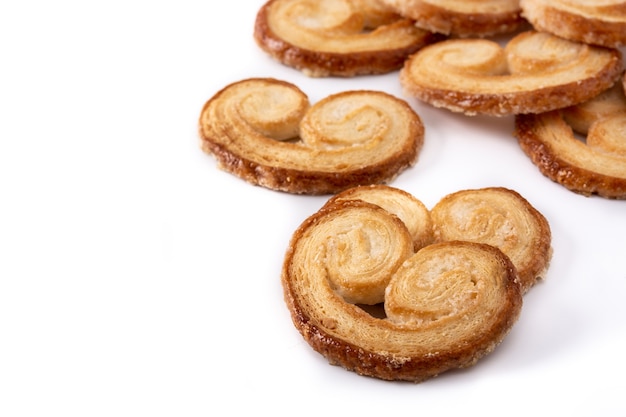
(598, 22)
(264, 131)
(446, 306)
(412, 212)
(462, 18)
(502, 218)
(337, 37)
(536, 72)
(594, 165)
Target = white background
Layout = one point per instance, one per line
(136, 278)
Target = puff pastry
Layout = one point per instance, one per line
(599, 22)
(592, 165)
(502, 218)
(446, 306)
(412, 212)
(536, 72)
(462, 17)
(580, 117)
(337, 37)
(265, 131)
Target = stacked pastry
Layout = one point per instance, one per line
(595, 165)
(569, 56)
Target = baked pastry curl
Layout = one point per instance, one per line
(580, 117)
(455, 287)
(361, 246)
(598, 22)
(502, 218)
(594, 165)
(337, 37)
(462, 18)
(265, 132)
(446, 306)
(412, 212)
(536, 72)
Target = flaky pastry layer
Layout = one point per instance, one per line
(502, 218)
(536, 72)
(265, 131)
(580, 117)
(337, 37)
(413, 213)
(591, 165)
(598, 22)
(462, 18)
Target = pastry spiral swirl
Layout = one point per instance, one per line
(598, 22)
(446, 306)
(580, 117)
(412, 212)
(264, 131)
(595, 165)
(462, 18)
(536, 72)
(337, 37)
(502, 218)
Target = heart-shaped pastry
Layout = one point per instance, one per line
(266, 132)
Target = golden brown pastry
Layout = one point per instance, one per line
(595, 164)
(337, 37)
(409, 209)
(446, 306)
(362, 246)
(264, 131)
(535, 73)
(598, 22)
(374, 13)
(502, 218)
(462, 17)
(580, 117)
